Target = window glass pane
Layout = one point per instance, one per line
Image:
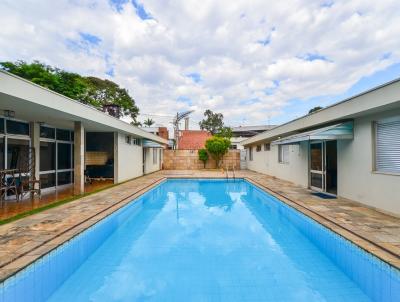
(64, 178)
(47, 156)
(316, 157)
(14, 127)
(48, 180)
(64, 156)
(1, 125)
(17, 152)
(2, 145)
(154, 156)
(283, 154)
(63, 135)
(47, 132)
(316, 180)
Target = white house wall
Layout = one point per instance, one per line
(149, 166)
(356, 177)
(129, 160)
(295, 171)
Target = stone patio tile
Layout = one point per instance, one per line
(32, 236)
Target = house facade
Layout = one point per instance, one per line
(350, 149)
(68, 139)
(241, 133)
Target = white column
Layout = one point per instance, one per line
(79, 158)
(116, 142)
(35, 143)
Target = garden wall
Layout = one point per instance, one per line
(189, 160)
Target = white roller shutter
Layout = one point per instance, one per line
(388, 147)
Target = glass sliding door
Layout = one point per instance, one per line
(16, 149)
(323, 166)
(47, 164)
(2, 152)
(317, 171)
(56, 157)
(64, 163)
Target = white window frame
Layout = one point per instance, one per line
(250, 153)
(155, 151)
(56, 171)
(281, 154)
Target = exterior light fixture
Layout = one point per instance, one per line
(9, 113)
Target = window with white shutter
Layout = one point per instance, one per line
(283, 154)
(387, 153)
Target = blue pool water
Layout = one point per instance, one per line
(206, 240)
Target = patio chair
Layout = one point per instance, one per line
(8, 182)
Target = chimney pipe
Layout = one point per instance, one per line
(186, 123)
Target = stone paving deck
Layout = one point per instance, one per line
(25, 240)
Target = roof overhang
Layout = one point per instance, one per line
(334, 132)
(151, 144)
(34, 103)
(379, 99)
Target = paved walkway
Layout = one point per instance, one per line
(11, 207)
(25, 240)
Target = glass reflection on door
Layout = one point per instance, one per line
(317, 166)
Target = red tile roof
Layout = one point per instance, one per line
(192, 139)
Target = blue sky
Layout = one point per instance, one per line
(266, 62)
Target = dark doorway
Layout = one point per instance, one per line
(331, 167)
(99, 155)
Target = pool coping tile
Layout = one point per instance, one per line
(30, 238)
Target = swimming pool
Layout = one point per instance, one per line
(206, 240)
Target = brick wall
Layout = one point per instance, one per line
(189, 160)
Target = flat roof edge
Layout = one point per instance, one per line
(122, 123)
(258, 138)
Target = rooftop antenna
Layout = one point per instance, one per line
(179, 116)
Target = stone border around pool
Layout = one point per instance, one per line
(20, 263)
(369, 246)
(15, 265)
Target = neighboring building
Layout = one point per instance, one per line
(241, 133)
(192, 139)
(350, 149)
(160, 131)
(67, 138)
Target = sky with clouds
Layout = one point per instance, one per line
(257, 62)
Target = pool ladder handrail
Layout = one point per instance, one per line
(233, 170)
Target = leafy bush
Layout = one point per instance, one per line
(218, 147)
(203, 156)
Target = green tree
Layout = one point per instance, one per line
(105, 92)
(213, 122)
(148, 122)
(203, 156)
(218, 147)
(136, 123)
(315, 109)
(89, 90)
(225, 132)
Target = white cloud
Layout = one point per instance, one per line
(251, 59)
